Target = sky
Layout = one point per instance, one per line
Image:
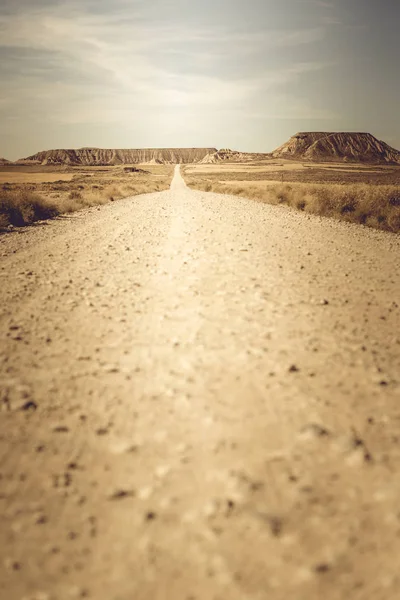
(240, 74)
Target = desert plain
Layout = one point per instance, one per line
(200, 380)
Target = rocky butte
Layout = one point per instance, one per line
(225, 154)
(354, 147)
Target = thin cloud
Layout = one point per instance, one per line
(322, 3)
(126, 55)
(118, 68)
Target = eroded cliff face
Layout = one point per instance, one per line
(320, 147)
(225, 155)
(100, 157)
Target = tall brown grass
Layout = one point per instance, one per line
(376, 206)
(21, 206)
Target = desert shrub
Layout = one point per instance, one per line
(22, 207)
(113, 193)
(393, 221)
(394, 199)
(75, 195)
(301, 204)
(349, 207)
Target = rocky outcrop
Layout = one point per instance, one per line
(104, 157)
(231, 155)
(322, 147)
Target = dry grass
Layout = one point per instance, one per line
(377, 206)
(31, 177)
(43, 197)
(21, 207)
(295, 172)
(209, 169)
(283, 166)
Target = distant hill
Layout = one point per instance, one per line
(104, 157)
(231, 155)
(3, 162)
(321, 147)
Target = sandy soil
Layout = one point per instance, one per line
(200, 400)
(297, 172)
(32, 177)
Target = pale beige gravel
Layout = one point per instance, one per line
(200, 401)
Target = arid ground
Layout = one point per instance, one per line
(353, 192)
(30, 193)
(200, 400)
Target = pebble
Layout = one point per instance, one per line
(60, 429)
(120, 494)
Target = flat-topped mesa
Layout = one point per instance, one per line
(342, 146)
(107, 157)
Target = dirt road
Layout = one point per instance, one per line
(200, 401)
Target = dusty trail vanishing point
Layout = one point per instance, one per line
(200, 400)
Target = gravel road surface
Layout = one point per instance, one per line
(200, 400)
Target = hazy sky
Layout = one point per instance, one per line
(244, 74)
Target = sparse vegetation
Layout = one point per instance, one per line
(377, 206)
(23, 207)
(26, 197)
